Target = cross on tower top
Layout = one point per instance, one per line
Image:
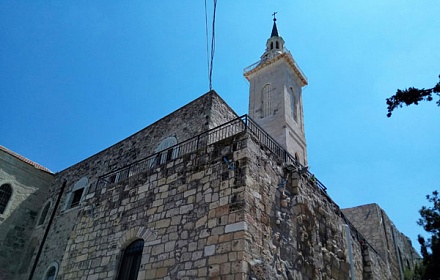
(274, 14)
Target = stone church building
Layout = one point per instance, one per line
(200, 194)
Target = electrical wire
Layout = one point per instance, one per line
(212, 45)
(207, 39)
(210, 54)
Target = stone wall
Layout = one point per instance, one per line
(187, 122)
(295, 231)
(182, 212)
(29, 191)
(394, 248)
(227, 209)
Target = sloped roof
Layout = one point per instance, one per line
(22, 158)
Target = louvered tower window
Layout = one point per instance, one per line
(267, 100)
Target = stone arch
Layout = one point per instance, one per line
(137, 233)
(132, 234)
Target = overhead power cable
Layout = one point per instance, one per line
(210, 49)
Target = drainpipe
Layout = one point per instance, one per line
(350, 251)
(46, 232)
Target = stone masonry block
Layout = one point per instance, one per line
(209, 250)
(236, 227)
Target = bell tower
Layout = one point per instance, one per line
(275, 96)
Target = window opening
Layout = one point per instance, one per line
(112, 178)
(5, 196)
(169, 154)
(293, 105)
(131, 261)
(267, 100)
(50, 275)
(44, 214)
(164, 154)
(76, 198)
(271, 45)
(277, 45)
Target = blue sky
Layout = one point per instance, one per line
(79, 76)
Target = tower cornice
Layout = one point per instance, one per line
(285, 55)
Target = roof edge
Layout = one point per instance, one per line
(25, 160)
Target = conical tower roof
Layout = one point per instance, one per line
(274, 29)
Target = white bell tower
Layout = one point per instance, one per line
(275, 96)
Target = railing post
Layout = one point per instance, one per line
(245, 122)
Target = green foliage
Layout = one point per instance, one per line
(430, 248)
(415, 274)
(412, 96)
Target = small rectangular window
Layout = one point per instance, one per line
(76, 197)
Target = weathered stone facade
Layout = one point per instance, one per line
(233, 206)
(29, 185)
(394, 248)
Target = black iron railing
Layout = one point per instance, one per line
(226, 130)
(154, 161)
(229, 129)
(278, 150)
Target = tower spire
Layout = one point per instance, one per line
(274, 28)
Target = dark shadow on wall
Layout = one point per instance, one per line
(19, 236)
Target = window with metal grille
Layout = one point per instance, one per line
(5, 196)
(131, 261)
(166, 152)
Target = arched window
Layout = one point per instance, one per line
(169, 152)
(267, 100)
(51, 272)
(44, 213)
(293, 105)
(297, 157)
(131, 261)
(50, 275)
(5, 196)
(277, 45)
(271, 45)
